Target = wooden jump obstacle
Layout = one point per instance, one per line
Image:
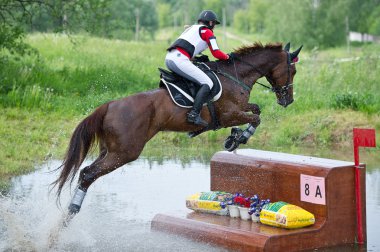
(279, 177)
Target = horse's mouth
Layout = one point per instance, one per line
(284, 102)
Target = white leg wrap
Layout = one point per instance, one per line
(78, 197)
(249, 131)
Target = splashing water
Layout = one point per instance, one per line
(115, 215)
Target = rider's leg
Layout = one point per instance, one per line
(180, 64)
(194, 115)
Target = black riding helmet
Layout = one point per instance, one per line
(208, 15)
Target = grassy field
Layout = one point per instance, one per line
(42, 98)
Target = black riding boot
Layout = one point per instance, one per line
(194, 115)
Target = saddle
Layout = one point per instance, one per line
(182, 91)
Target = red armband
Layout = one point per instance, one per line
(208, 36)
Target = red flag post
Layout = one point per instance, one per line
(361, 138)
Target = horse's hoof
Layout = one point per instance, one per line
(230, 144)
(73, 209)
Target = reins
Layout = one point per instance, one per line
(274, 89)
(236, 80)
(255, 68)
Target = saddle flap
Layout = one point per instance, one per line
(182, 90)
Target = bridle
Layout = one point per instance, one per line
(282, 91)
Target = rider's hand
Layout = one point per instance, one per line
(231, 56)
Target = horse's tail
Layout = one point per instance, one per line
(83, 138)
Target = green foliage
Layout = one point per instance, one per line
(215, 5)
(11, 39)
(374, 21)
(241, 21)
(329, 24)
(164, 15)
(43, 98)
(30, 136)
(96, 70)
(347, 100)
(258, 13)
(29, 98)
(12, 42)
(314, 23)
(65, 15)
(297, 24)
(122, 18)
(252, 19)
(355, 101)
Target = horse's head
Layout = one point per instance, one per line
(281, 76)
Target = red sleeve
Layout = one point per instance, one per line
(207, 35)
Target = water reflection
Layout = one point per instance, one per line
(117, 211)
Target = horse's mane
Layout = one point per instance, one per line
(257, 46)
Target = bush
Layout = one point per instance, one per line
(346, 100)
(354, 101)
(28, 97)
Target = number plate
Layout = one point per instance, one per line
(313, 189)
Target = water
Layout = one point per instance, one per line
(115, 215)
(119, 207)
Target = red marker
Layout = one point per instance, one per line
(361, 138)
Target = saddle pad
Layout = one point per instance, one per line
(181, 93)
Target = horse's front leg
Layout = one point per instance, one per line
(254, 108)
(239, 136)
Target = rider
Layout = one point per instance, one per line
(192, 42)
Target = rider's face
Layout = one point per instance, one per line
(211, 24)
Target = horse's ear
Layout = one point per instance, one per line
(287, 47)
(294, 54)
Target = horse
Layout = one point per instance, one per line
(121, 128)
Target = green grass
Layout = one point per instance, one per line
(42, 98)
(29, 137)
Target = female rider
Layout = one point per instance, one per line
(194, 40)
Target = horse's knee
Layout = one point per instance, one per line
(256, 121)
(255, 109)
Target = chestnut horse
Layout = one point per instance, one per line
(123, 127)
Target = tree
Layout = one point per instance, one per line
(294, 24)
(18, 16)
(330, 27)
(374, 22)
(13, 12)
(121, 21)
(164, 15)
(257, 14)
(241, 21)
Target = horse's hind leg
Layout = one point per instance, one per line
(102, 166)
